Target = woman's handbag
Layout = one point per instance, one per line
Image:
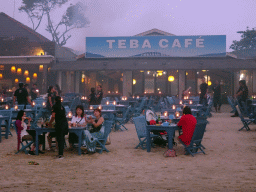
(170, 153)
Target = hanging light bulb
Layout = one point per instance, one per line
(26, 73)
(41, 68)
(28, 80)
(13, 69)
(19, 71)
(34, 75)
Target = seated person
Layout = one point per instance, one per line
(187, 123)
(97, 131)
(79, 120)
(22, 132)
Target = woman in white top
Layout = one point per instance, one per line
(22, 133)
(79, 120)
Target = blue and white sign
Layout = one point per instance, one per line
(156, 46)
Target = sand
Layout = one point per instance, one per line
(229, 164)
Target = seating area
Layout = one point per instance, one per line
(117, 116)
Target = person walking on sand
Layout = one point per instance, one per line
(203, 94)
(217, 96)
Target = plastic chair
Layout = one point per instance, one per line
(246, 121)
(138, 110)
(7, 125)
(196, 140)
(102, 141)
(141, 129)
(120, 121)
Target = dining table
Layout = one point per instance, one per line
(43, 130)
(170, 129)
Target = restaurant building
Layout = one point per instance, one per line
(27, 56)
(154, 71)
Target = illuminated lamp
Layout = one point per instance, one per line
(26, 73)
(177, 114)
(209, 83)
(134, 81)
(13, 69)
(35, 75)
(1, 76)
(82, 80)
(69, 114)
(160, 73)
(28, 80)
(19, 71)
(171, 78)
(16, 80)
(41, 68)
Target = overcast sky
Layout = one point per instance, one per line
(130, 17)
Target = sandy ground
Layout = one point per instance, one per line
(229, 164)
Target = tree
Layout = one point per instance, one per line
(247, 42)
(74, 17)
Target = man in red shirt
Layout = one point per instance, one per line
(188, 124)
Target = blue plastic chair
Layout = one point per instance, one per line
(195, 144)
(7, 113)
(138, 110)
(246, 121)
(141, 129)
(121, 121)
(102, 141)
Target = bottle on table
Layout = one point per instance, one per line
(159, 120)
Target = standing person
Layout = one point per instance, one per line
(92, 97)
(57, 88)
(99, 94)
(203, 94)
(22, 96)
(26, 86)
(34, 92)
(216, 96)
(61, 124)
(241, 95)
(50, 98)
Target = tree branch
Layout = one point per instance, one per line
(39, 21)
